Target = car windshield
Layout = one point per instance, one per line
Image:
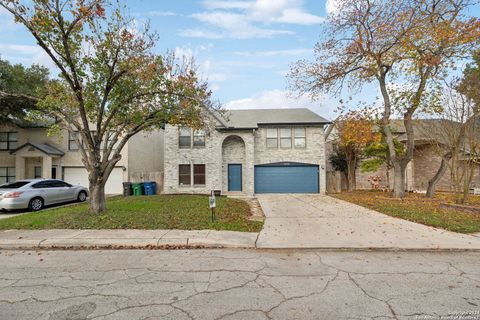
(14, 185)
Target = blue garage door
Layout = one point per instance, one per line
(286, 178)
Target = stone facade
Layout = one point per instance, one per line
(247, 146)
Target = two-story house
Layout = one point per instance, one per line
(28, 152)
(248, 152)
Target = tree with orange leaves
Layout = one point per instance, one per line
(355, 130)
(404, 46)
(111, 85)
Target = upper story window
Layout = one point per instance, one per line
(188, 138)
(72, 142)
(199, 138)
(272, 138)
(185, 137)
(286, 137)
(300, 138)
(7, 175)
(8, 141)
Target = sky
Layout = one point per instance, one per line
(242, 47)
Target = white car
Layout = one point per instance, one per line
(37, 193)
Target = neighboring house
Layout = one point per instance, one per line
(27, 152)
(430, 135)
(247, 152)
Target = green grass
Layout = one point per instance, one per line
(417, 209)
(187, 212)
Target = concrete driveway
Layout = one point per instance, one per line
(314, 221)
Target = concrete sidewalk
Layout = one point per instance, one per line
(72, 239)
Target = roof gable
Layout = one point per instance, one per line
(43, 147)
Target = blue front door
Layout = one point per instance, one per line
(234, 177)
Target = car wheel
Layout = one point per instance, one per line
(82, 196)
(36, 204)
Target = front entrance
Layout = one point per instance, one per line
(234, 177)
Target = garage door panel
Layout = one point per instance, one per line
(79, 176)
(286, 179)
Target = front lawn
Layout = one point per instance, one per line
(418, 209)
(187, 212)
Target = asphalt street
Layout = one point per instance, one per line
(238, 284)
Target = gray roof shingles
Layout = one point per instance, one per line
(44, 147)
(252, 118)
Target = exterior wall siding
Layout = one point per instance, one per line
(34, 158)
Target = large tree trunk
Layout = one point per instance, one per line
(387, 172)
(352, 181)
(351, 174)
(399, 180)
(97, 198)
(432, 183)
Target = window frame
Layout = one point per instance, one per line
(282, 138)
(304, 137)
(271, 138)
(8, 140)
(71, 139)
(195, 135)
(204, 174)
(8, 177)
(180, 136)
(180, 174)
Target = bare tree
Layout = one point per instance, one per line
(397, 43)
(455, 139)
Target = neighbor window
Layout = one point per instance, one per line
(285, 137)
(184, 174)
(8, 140)
(7, 175)
(185, 137)
(198, 174)
(272, 138)
(300, 138)
(37, 172)
(72, 143)
(199, 138)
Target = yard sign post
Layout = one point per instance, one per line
(213, 204)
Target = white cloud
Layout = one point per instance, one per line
(232, 25)
(332, 7)
(281, 100)
(208, 72)
(161, 13)
(26, 55)
(247, 19)
(271, 53)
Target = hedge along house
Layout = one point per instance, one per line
(247, 152)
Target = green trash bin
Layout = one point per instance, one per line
(137, 189)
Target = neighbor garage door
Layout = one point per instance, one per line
(286, 178)
(79, 176)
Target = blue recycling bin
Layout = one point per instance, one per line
(150, 188)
